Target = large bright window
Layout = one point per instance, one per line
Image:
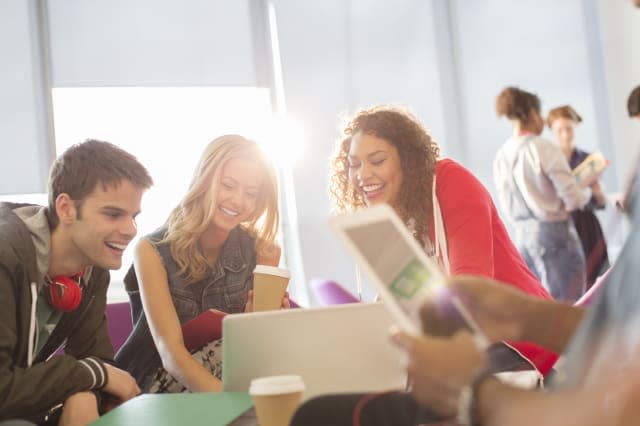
(167, 129)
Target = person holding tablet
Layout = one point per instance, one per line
(386, 156)
(598, 382)
(202, 258)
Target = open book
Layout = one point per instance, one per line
(203, 329)
(589, 170)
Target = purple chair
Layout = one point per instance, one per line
(293, 304)
(329, 292)
(119, 323)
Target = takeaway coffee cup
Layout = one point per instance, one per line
(269, 286)
(276, 398)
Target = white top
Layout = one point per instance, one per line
(542, 174)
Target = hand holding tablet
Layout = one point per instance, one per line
(403, 274)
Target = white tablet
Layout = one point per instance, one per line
(402, 272)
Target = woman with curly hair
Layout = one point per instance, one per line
(538, 191)
(202, 258)
(562, 121)
(386, 156)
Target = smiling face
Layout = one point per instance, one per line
(563, 129)
(375, 169)
(102, 225)
(241, 181)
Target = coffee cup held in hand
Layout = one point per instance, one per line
(276, 398)
(269, 286)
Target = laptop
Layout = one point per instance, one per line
(336, 349)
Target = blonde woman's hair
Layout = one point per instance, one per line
(192, 216)
(418, 154)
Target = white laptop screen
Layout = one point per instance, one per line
(344, 348)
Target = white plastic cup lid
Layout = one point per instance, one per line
(272, 270)
(276, 385)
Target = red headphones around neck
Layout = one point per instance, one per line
(64, 293)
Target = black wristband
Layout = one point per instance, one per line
(467, 414)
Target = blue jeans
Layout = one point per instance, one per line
(554, 253)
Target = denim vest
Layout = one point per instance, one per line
(225, 288)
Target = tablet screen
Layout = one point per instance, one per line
(404, 275)
(393, 261)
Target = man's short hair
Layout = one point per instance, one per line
(83, 166)
(633, 103)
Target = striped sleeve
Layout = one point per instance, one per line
(97, 370)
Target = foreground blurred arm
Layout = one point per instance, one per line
(613, 399)
(502, 312)
(438, 368)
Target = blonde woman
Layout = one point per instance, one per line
(202, 258)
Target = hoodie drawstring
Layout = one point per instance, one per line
(32, 325)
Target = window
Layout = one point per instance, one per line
(167, 129)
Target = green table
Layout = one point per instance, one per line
(183, 409)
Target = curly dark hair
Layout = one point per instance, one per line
(418, 154)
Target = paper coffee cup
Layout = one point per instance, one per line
(276, 398)
(269, 286)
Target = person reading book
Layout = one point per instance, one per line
(386, 156)
(202, 258)
(537, 191)
(562, 122)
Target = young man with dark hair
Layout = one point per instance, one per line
(54, 264)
